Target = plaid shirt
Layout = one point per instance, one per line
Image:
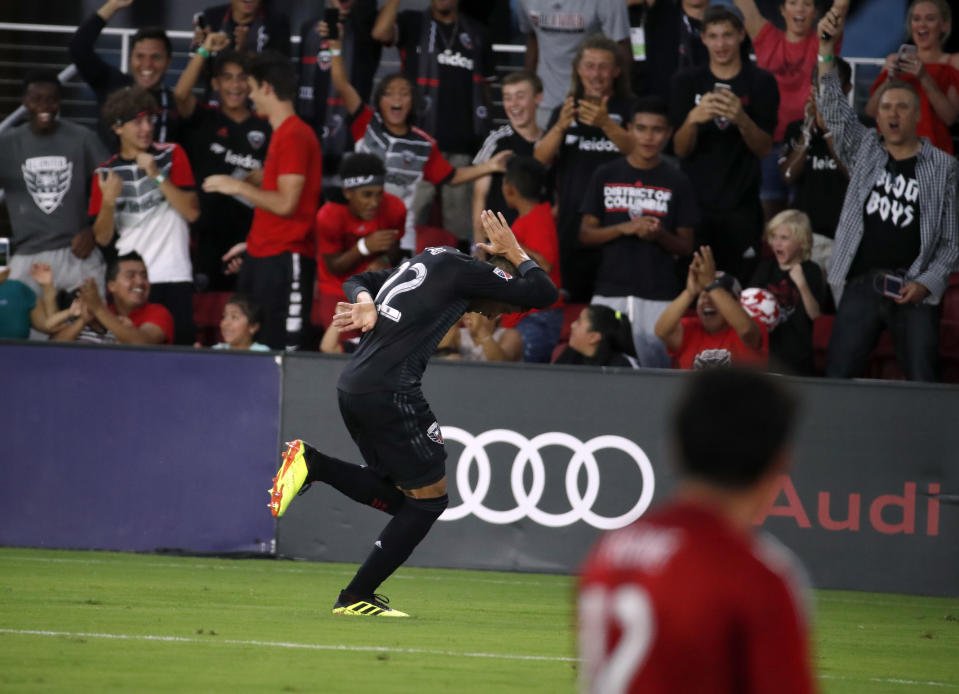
(862, 151)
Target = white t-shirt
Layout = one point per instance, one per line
(560, 26)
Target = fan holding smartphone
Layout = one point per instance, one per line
(931, 71)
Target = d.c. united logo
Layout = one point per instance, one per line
(47, 180)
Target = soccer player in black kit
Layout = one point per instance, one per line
(404, 313)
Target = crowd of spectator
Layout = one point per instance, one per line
(657, 156)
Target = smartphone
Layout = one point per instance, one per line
(905, 50)
(331, 16)
(4, 254)
(892, 286)
(721, 85)
(199, 21)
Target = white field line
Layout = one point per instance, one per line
(317, 569)
(880, 680)
(388, 649)
(286, 644)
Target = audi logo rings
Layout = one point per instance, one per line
(528, 454)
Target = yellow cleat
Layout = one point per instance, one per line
(289, 479)
(374, 607)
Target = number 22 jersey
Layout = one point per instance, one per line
(418, 302)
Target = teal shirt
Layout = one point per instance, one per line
(16, 302)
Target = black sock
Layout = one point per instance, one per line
(355, 481)
(396, 543)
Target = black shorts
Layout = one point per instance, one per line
(283, 286)
(397, 435)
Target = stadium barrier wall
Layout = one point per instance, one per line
(545, 456)
(136, 450)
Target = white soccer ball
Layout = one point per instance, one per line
(761, 305)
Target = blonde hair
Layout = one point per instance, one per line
(797, 223)
(944, 12)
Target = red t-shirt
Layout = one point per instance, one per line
(537, 230)
(791, 63)
(338, 230)
(930, 125)
(293, 149)
(683, 601)
(152, 313)
(696, 341)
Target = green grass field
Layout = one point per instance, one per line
(106, 622)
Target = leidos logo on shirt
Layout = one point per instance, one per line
(597, 144)
(455, 60)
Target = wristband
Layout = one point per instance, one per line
(202, 51)
(335, 52)
(160, 178)
(362, 248)
(824, 58)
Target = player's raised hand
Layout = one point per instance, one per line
(360, 316)
(501, 238)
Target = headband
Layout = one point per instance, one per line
(360, 181)
(127, 117)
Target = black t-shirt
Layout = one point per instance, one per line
(790, 343)
(216, 144)
(454, 129)
(618, 192)
(821, 187)
(890, 239)
(672, 43)
(724, 170)
(418, 302)
(583, 149)
(500, 140)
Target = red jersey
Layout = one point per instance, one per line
(682, 601)
(152, 313)
(536, 230)
(930, 124)
(337, 230)
(293, 149)
(724, 346)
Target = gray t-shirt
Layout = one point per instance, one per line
(45, 179)
(560, 26)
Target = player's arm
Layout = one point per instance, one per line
(532, 288)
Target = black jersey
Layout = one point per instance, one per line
(418, 302)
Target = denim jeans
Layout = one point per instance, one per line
(863, 313)
(540, 331)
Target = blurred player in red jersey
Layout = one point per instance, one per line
(690, 598)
